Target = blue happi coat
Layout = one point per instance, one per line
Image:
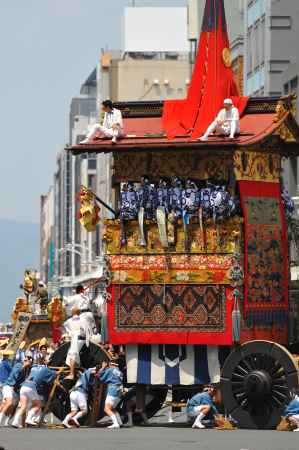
(85, 381)
(292, 408)
(40, 378)
(113, 377)
(202, 399)
(5, 369)
(16, 376)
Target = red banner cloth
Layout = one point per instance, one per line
(212, 80)
(139, 333)
(266, 255)
(56, 332)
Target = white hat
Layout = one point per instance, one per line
(228, 101)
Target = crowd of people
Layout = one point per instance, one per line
(25, 387)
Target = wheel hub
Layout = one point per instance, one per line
(258, 383)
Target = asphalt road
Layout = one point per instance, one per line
(153, 437)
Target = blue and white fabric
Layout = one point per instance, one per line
(114, 379)
(174, 364)
(288, 203)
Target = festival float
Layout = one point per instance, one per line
(198, 248)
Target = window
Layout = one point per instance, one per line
(294, 84)
(255, 10)
(92, 164)
(280, 22)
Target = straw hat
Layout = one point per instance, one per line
(7, 352)
(43, 341)
(4, 342)
(22, 345)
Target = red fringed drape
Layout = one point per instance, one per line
(212, 80)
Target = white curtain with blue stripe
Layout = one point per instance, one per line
(174, 364)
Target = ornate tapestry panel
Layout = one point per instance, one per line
(171, 269)
(266, 262)
(131, 166)
(254, 166)
(174, 314)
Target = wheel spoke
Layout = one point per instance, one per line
(236, 375)
(239, 390)
(246, 364)
(242, 370)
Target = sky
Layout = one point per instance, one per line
(47, 48)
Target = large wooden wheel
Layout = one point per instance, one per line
(90, 356)
(256, 382)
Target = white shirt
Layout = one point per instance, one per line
(113, 118)
(228, 116)
(79, 301)
(74, 326)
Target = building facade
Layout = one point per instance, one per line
(271, 34)
(47, 245)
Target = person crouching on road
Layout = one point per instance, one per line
(32, 390)
(202, 406)
(79, 397)
(11, 388)
(291, 412)
(111, 375)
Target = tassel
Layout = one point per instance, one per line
(236, 319)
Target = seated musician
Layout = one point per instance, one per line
(202, 406)
(112, 125)
(227, 122)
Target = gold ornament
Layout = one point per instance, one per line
(21, 305)
(89, 212)
(56, 311)
(227, 57)
(89, 216)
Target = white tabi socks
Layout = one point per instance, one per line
(30, 419)
(120, 422)
(170, 417)
(130, 419)
(197, 423)
(6, 421)
(115, 423)
(17, 421)
(65, 422)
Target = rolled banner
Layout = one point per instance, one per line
(236, 318)
(161, 221)
(142, 241)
